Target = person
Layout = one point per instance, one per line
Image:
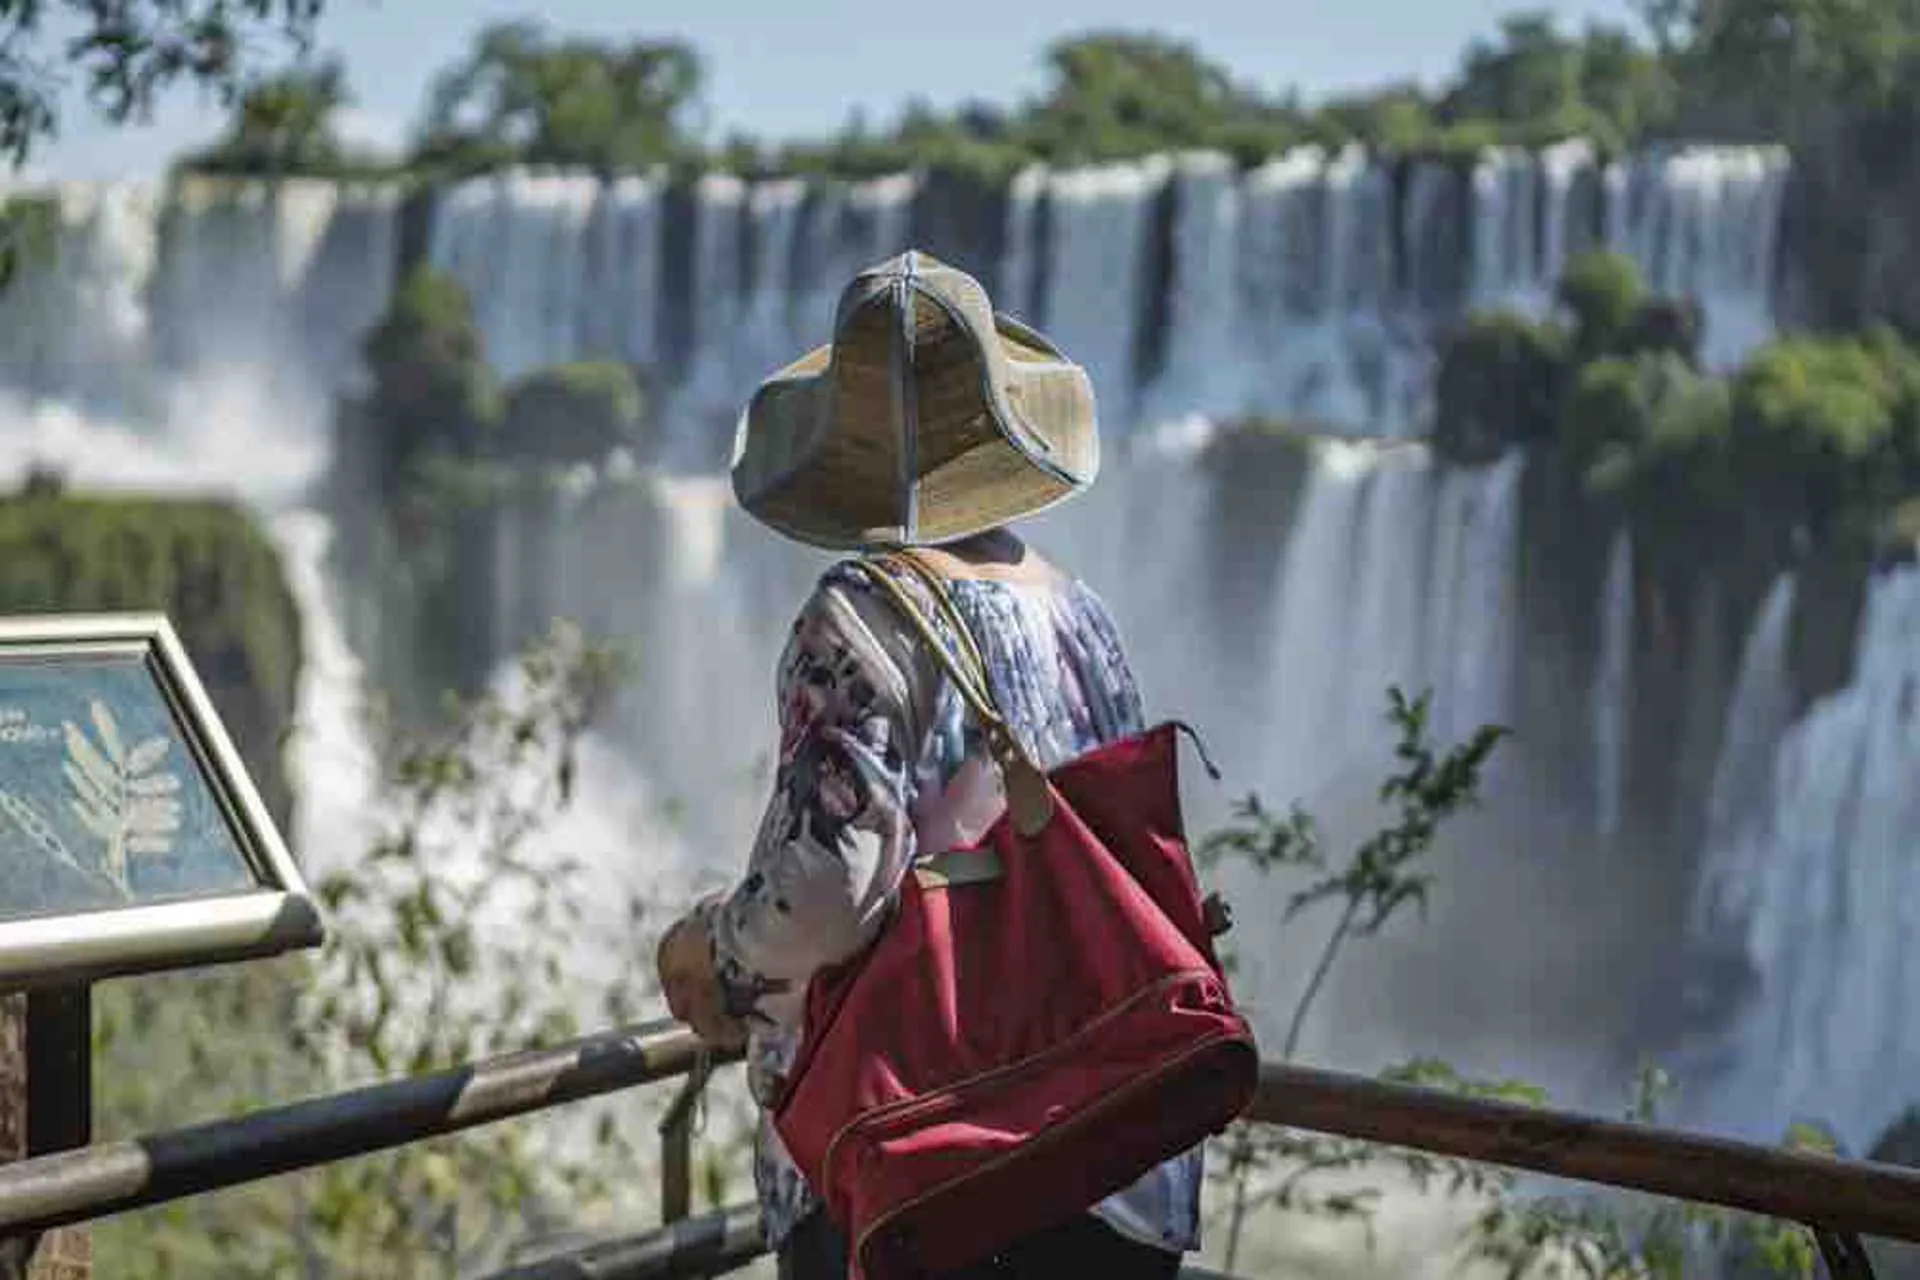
(929, 422)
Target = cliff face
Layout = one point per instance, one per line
(1849, 256)
(208, 566)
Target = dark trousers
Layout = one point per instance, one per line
(1086, 1246)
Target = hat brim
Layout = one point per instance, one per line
(1025, 440)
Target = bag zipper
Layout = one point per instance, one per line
(972, 1084)
(1107, 1103)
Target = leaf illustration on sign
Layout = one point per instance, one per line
(118, 794)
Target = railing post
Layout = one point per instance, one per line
(55, 1066)
(676, 1143)
(1845, 1256)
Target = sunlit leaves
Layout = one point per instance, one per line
(126, 53)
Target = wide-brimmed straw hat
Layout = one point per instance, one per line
(928, 418)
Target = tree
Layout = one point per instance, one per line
(524, 95)
(1773, 63)
(129, 52)
(1545, 84)
(1532, 73)
(1653, 431)
(1625, 84)
(571, 413)
(1600, 293)
(1815, 426)
(285, 123)
(432, 389)
(1499, 383)
(1113, 94)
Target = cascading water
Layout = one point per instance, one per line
(1758, 712)
(1099, 223)
(1817, 877)
(1612, 691)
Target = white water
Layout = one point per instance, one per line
(1822, 879)
(1757, 713)
(1610, 701)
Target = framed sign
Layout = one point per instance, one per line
(131, 837)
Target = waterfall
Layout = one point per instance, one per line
(1757, 714)
(335, 767)
(1611, 699)
(1703, 223)
(1314, 598)
(1825, 889)
(1310, 287)
(1469, 638)
(1094, 301)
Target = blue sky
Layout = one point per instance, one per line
(779, 67)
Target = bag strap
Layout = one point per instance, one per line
(969, 671)
(1029, 796)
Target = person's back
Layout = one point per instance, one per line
(1059, 672)
(880, 764)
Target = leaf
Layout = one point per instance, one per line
(109, 731)
(84, 785)
(153, 817)
(88, 757)
(101, 824)
(147, 755)
(158, 784)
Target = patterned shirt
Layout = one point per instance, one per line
(879, 759)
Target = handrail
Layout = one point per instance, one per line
(56, 1190)
(1838, 1198)
(1852, 1197)
(709, 1245)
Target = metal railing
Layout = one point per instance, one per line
(1839, 1200)
(112, 1177)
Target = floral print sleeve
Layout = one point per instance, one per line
(837, 835)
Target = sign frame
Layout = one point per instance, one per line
(77, 947)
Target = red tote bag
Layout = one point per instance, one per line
(1043, 1021)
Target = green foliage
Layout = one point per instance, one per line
(207, 565)
(1114, 94)
(1654, 430)
(29, 231)
(451, 939)
(1505, 380)
(1499, 383)
(522, 94)
(1821, 424)
(1377, 879)
(1600, 292)
(1814, 436)
(1776, 63)
(286, 123)
(432, 388)
(1601, 85)
(1637, 1237)
(525, 94)
(571, 413)
(129, 53)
